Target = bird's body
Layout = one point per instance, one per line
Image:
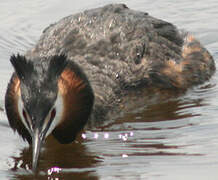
(120, 49)
(110, 51)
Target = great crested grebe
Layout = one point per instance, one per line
(99, 54)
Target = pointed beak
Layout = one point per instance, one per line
(37, 140)
(39, 127)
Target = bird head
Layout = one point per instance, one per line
(53, 96)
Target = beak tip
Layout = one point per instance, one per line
(36, 145)
(34, 166)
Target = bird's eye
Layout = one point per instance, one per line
(24, 114)
(26, 118)
(53, 113)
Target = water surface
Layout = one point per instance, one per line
(169, 137)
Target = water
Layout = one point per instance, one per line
(175, 138)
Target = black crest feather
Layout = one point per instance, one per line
(22, 67)
(57, 65)
(25, 68)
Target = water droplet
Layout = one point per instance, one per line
(53, 170)
(124, 156)
(19, 163)
(83, 135)
(138, 54)
(106, 135)
(96, 135)
(124, 138)
(79, 19)
(27, 167)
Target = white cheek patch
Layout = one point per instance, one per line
(20, 111)
(59, 111)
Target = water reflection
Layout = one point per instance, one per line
(159, 108)
(56, 161)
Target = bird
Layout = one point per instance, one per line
(83, 68)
